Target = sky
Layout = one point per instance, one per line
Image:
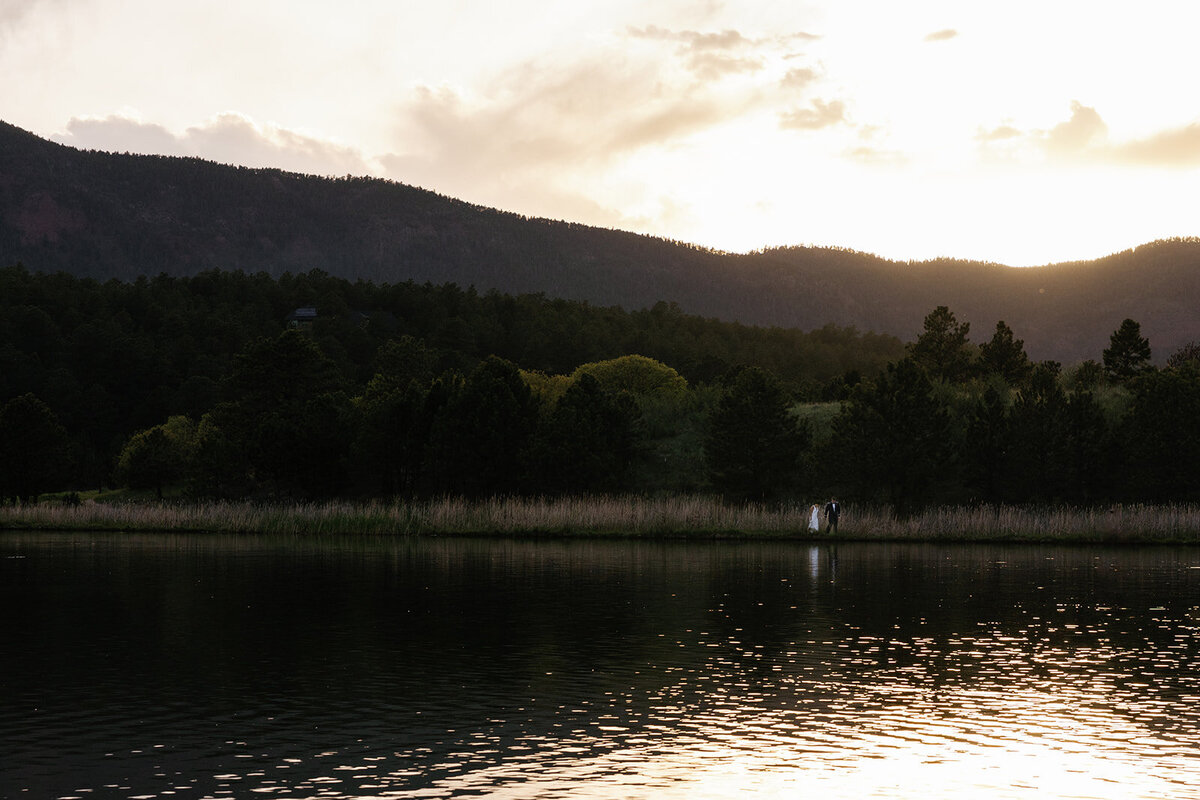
(1017, 132)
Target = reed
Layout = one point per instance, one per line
(673, 516)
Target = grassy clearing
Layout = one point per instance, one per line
(681, 516)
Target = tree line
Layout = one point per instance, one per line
(202, 385)
(89, 369)
(949, 422)
(952, 422)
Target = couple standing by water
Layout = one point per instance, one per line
(832, 510)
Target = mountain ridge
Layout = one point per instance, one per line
(118, 215)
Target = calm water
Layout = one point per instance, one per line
(207, 666)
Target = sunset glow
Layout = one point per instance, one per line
(1023, 133)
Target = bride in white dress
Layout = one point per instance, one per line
(814, 519)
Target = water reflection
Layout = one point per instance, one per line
(211, 666)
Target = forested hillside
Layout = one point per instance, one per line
(104, 215)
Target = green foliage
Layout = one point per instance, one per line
(1091, 458)
(286, 371)
(641, 376)
(393, 430)
(548, 389)
(403, 361)
(754, 444)
(942, 349)
(480, 435)
(985, 449)
(818, 418)
(1038, 437)
(894, 439)
(1128, 353)
(370, 401)
(588, 442)
(1161, 435)
(158, 456)
(286, 422)
(1189, 353)
(220, 465)
(1086, 376)
(33, 449)
(1004, 355)
(114, 358)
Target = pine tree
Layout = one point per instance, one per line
(894, 438)
(942, 349)
(1005, 356)
(1128, 353)
(754, 444)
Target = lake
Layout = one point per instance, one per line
(196, 666)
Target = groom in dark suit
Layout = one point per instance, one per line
(832, 509)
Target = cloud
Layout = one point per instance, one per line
(799, 36)
(694, 40)
(865, 154)
(711, 66)
(14, 12)
(820, 115)
(1085, 129)
(942, 35)
(235, 139)
(116, 133)
(1085, 137)
(513, 154)
(709, 56)
(999, 134)
(228, 138)
(725, 40)
(556, 117)
(798, 79)
(1179, 147)
(713, 55)
(529, 138)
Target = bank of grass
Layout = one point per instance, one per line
(666, 517)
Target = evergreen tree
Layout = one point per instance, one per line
(1161, 437)
(894, 438)
(288, 416)
(1090, 462)
(754, 445)
(34, 449)
(588, 442)
(1005, 356)
(1038, 425)
(1128, 353)
(392, 432)
(942, 349)
(1187, 354)
(985, 449)
(480, 435)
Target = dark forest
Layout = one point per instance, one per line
(231, 385)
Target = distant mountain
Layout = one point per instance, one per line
(105, 215)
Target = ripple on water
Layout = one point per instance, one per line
(458, 669)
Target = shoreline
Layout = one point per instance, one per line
(683, 517)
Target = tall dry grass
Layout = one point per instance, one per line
(690, 516)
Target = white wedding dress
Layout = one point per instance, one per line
(814, 520)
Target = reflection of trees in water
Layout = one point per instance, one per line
(516, 647)
(448, 655)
